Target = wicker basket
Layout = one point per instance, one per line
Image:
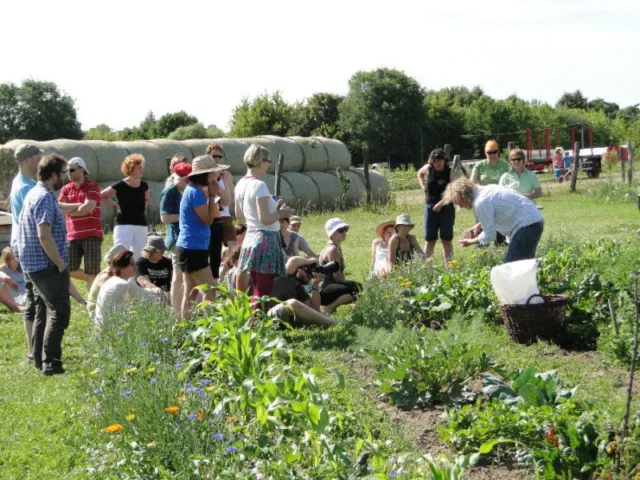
(527, 323)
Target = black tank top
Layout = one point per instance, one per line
(437, 181)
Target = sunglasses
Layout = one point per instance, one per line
(492, 152)
(342, 230)
(71, 170)
(218, 156)
(517, 159)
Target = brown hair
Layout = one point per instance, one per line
(241, 228)
(6, 255)
(213, 146)
(131, 162)
(49, 165)
(517, 152)
(437, 154)
(121, 261)
(233, 257)
(176, 159)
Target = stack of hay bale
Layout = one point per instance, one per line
(309, 177)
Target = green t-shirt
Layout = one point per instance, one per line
(488, 175)
(523, 183)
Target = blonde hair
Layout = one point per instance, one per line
(131, 162)
(559, 150)
(176, 159)
(255, 155)
(491, 145)
(460, 190)
(6, 255)
(517, 151)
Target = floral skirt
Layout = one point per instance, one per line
(262, 253)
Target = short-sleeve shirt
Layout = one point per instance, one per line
(526, 182)
(224, 211)
(19, 189)
(247, 192)
(17, 277)
(159, 273)
(194, 233)
(79, 228)
(170, 205)
(287, 288)
(132, 203)
(303, 245)
(488, 174)
(567, 161)
(40, 206)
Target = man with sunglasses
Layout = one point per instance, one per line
(84, 223)
(519, 178)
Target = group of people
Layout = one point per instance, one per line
(263, 255)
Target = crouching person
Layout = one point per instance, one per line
(296, 306)
(153, 270)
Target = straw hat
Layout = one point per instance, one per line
(205, 164)
(404, 219)
(380, 229)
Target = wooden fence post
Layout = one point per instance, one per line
(576, 166)
(510, 146)
(365, 165)
(278, 175)
(630, 156)
(447, 151)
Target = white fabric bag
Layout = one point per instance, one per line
(515, 282)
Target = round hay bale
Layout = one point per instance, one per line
(305, 191)
(197, 146)
(357, 191)
(73, 148)
(156, 166)
(329, 188)
(153, 212)
(108, 212)
(379, 185)
(315, 155)
(170, 148)
(110, 156)
(337, 152)
(293, 156)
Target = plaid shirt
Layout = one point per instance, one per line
(40, 206)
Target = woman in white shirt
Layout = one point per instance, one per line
(120, 289)
(380, 248)
(261, 253)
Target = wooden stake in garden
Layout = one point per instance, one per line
(279, 166)
(367, 180)
(576, 166)
(630, 156)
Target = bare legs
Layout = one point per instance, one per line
(342, 300)
(176, 289)
(190, 282)
(308, 316)
(447, 248)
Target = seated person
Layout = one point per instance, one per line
(295, 304)
(289, 239)
(241, 232)
(102, 277)
(237, 280)
(295, 223)
(153, 269)
(120, 288)
(335, 290)
(12, 283)
(403, 246)
(380, 248)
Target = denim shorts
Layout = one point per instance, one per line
(441, 221)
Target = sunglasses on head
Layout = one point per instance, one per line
(492, 152)
(517, 159)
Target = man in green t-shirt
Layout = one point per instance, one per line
(519, 178)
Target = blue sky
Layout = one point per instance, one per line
(123, 58)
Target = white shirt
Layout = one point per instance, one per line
(115, 293)
(500, 209)
(248, 191)
(224, 211)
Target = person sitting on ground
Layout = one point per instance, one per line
(289, 239)
(295, 222)
(499, 209)
(380, 248)
(519, 178)
(296, 306)
(153, 269)
(403, 246)
(236, 279)
(335, 290)
(241, 231)
(102, 277)
(120, 288)
(12, 288)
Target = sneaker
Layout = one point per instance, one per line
(55, 370)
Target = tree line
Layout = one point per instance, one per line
(385, 110)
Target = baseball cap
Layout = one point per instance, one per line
(155, 244)
(294, 219)
(113, 251)
(333, 225)
(182, 169)
(26, 150)
(78, 162)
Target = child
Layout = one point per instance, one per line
(12, 290)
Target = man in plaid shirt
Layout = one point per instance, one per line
(43, 253)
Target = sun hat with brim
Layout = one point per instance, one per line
(206, 164)
(404, 219)
(295, 220)
(333, 225)
(380, 229)
(113, 251)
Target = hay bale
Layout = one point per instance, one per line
(197, 146)
(305, 191)
(156, 167)
(357, 191)
(286, 192)
(170, 148)
(315, 155)
(337, 152)
(73, 148)
(329, 188)
(293, 156)
(379, 185)
(110, 156)
(108, 212)
(153, 213)
(234, 149)
(9, 165)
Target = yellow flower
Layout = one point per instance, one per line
(95, 372)
(116, 427)
(182, 398)
(95, 355)
(133, 410)
(209, 388)
(182, 390)
(161, 330)
(131, 370)
(231, 419)
(151, 369)
(152, 444)
(131, 417)
(172, 409)
(125, 325)
(132, 312)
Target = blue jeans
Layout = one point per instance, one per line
(524, 243)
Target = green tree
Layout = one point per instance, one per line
(148, 126)
(214, 132)
(575, 100)
(101, 132)
(37, 110)
(609, 108)
(445, 124)
(196, 130)
(264, 115)
(384, 109)
(319, 115)
(171, 121)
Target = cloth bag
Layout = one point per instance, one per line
(515, 282)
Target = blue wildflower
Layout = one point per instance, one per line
(205, 381)
(120, 333)
(98, 390)
(178, 366)
(192, 416)
(232, 449)
(199, 391)
(165, 340)
(144, 344)
(218, 436)
(127, 393)
(393, 474)
(154, 380)
(180, 420)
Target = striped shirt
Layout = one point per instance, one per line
(79, 228)
(500, 209)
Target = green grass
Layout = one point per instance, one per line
(48, 421)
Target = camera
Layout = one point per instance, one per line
(327, 269)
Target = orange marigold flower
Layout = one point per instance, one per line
(201, 416)
(172, 409)
(116, 427)
(231, 419)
